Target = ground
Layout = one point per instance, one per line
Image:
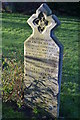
(15, 31)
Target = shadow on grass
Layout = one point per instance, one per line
(11, 111)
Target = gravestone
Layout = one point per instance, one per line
(43, 62)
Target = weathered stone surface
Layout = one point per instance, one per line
(43, 62)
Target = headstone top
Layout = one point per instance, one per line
(43, 19)
(45, 9)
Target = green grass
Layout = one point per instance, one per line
(15, 31)
(10, 113)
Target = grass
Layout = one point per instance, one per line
(15, 31)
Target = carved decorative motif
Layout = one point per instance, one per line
(41, 22)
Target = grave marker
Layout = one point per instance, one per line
(43, 62)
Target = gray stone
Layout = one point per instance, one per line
(43, 62)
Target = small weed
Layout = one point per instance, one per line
(12, 81)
